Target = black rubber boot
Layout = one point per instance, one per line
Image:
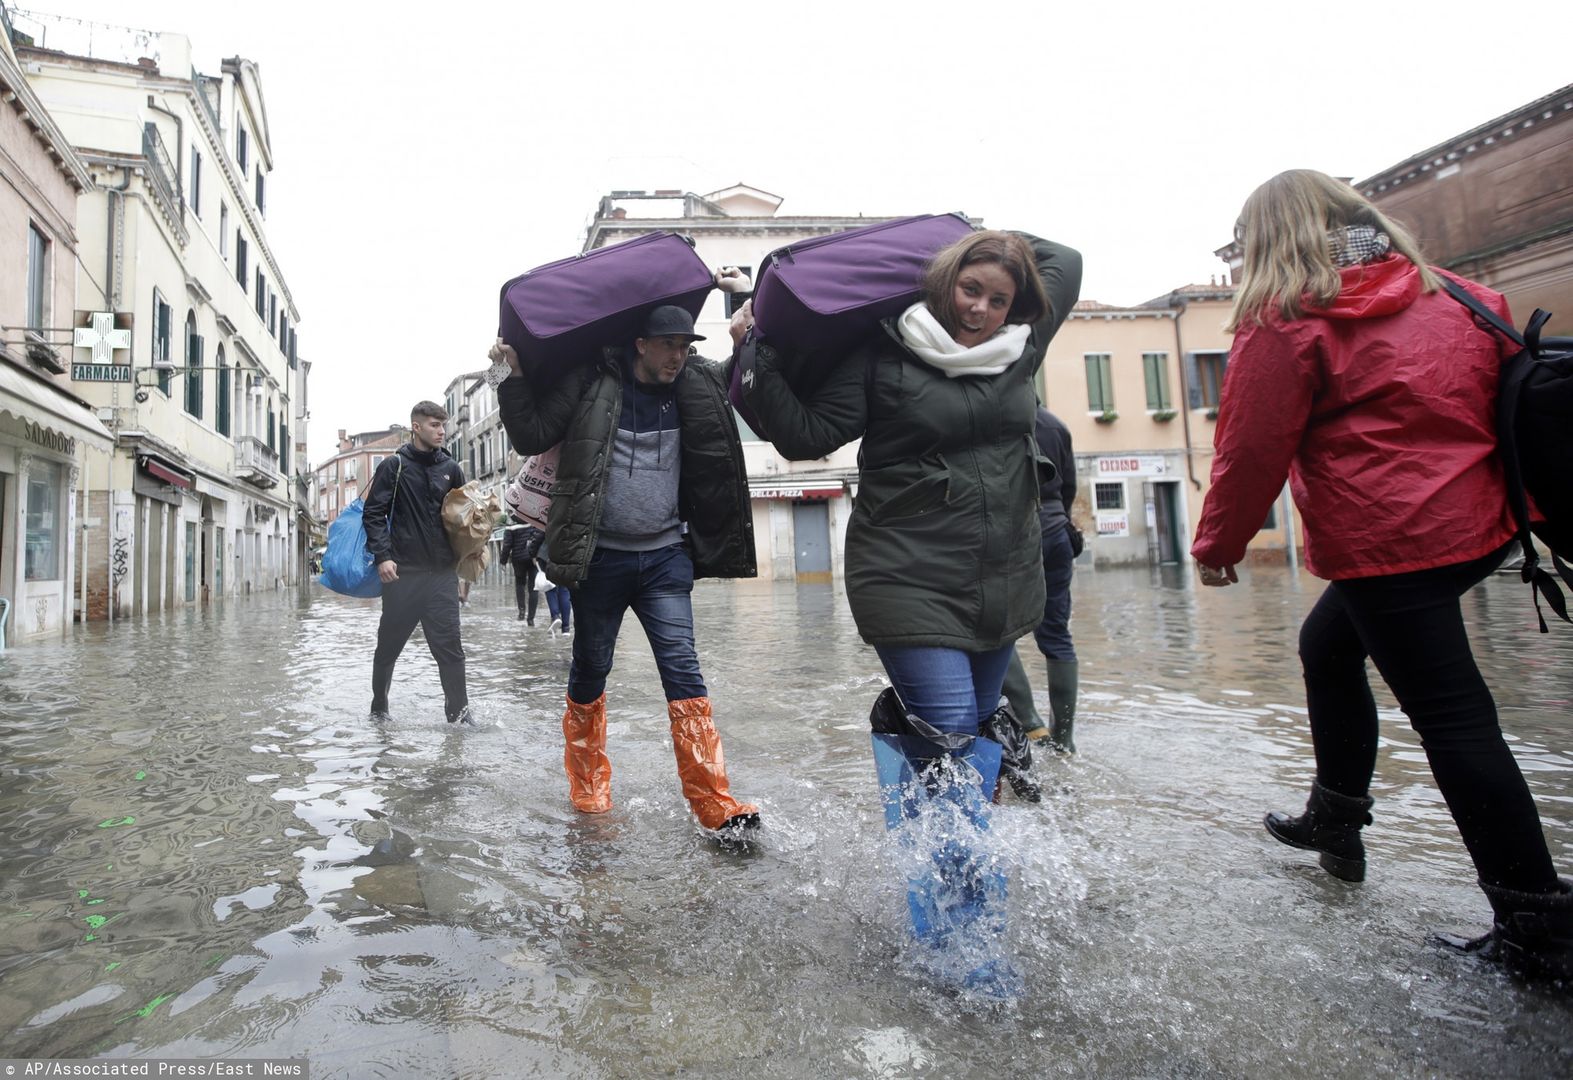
(1064, 680)
(1016, 755)
(1531, 936)
(381, 680)
(1331, 825)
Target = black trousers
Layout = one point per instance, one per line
(524, 589)
(429, 599)
(1412, 628)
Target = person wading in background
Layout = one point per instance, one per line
(520, 543)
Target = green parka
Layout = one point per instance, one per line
(943, 546)
(581, 411)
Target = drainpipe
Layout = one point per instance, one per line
(1178, 303)
(115, 196)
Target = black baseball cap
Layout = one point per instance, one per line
(669, 320)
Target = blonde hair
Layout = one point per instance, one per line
(1010, 252)
(1288, 258)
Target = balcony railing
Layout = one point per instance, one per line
(255, 463)
(208, 90)
(161, 171)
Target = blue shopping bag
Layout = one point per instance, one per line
(347, 565)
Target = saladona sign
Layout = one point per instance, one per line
(48, 438)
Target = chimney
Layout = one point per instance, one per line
(344, 442)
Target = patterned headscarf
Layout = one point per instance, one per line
(1356, 245)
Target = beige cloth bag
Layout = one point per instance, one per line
(468, 517)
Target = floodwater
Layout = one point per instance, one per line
(207, 849)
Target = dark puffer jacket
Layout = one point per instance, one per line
(1055, 496)
(581, 411)
(943, 547)
(407, 490)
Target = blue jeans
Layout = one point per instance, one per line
(657, 586)
(560, 606)
(1053, 634)
(951, 689)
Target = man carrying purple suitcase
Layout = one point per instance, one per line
(651, 493)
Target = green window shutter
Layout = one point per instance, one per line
(1100, 397)
(1156, 369)
(221, 406)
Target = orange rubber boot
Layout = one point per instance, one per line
(584, 756)
(702, 768)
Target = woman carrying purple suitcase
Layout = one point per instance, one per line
(943, 398)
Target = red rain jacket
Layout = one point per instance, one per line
(1380, 410)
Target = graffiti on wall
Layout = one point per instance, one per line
(120, 559)
(120, 547)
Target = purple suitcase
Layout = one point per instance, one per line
(818, 298)
(833, 290)
(564, 312)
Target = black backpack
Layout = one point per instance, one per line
(1535, 437)
(530, 542)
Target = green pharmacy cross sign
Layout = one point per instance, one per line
(105, 340)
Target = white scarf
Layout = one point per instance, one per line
(922, 333)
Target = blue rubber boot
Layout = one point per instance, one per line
(936, 789)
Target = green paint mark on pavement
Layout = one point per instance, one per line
(112, 966)
(146, 1010)
(110, 823)
(140, 775)
(215, 959)
(98, 922)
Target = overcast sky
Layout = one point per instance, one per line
(425, 154)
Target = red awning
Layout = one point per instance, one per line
(166, 474)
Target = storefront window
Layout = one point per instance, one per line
(43, 522)
(191, 561)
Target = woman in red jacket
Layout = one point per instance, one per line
(1356, 377)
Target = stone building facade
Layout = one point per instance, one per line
(197, 501)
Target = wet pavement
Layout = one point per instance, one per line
(207, 849)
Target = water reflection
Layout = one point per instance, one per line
(206, 848)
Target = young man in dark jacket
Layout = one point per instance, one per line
(651, 454)
(415, 561)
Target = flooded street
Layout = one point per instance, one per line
(207, 849)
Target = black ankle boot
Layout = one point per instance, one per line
(1532, 934)
(1331, 825)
